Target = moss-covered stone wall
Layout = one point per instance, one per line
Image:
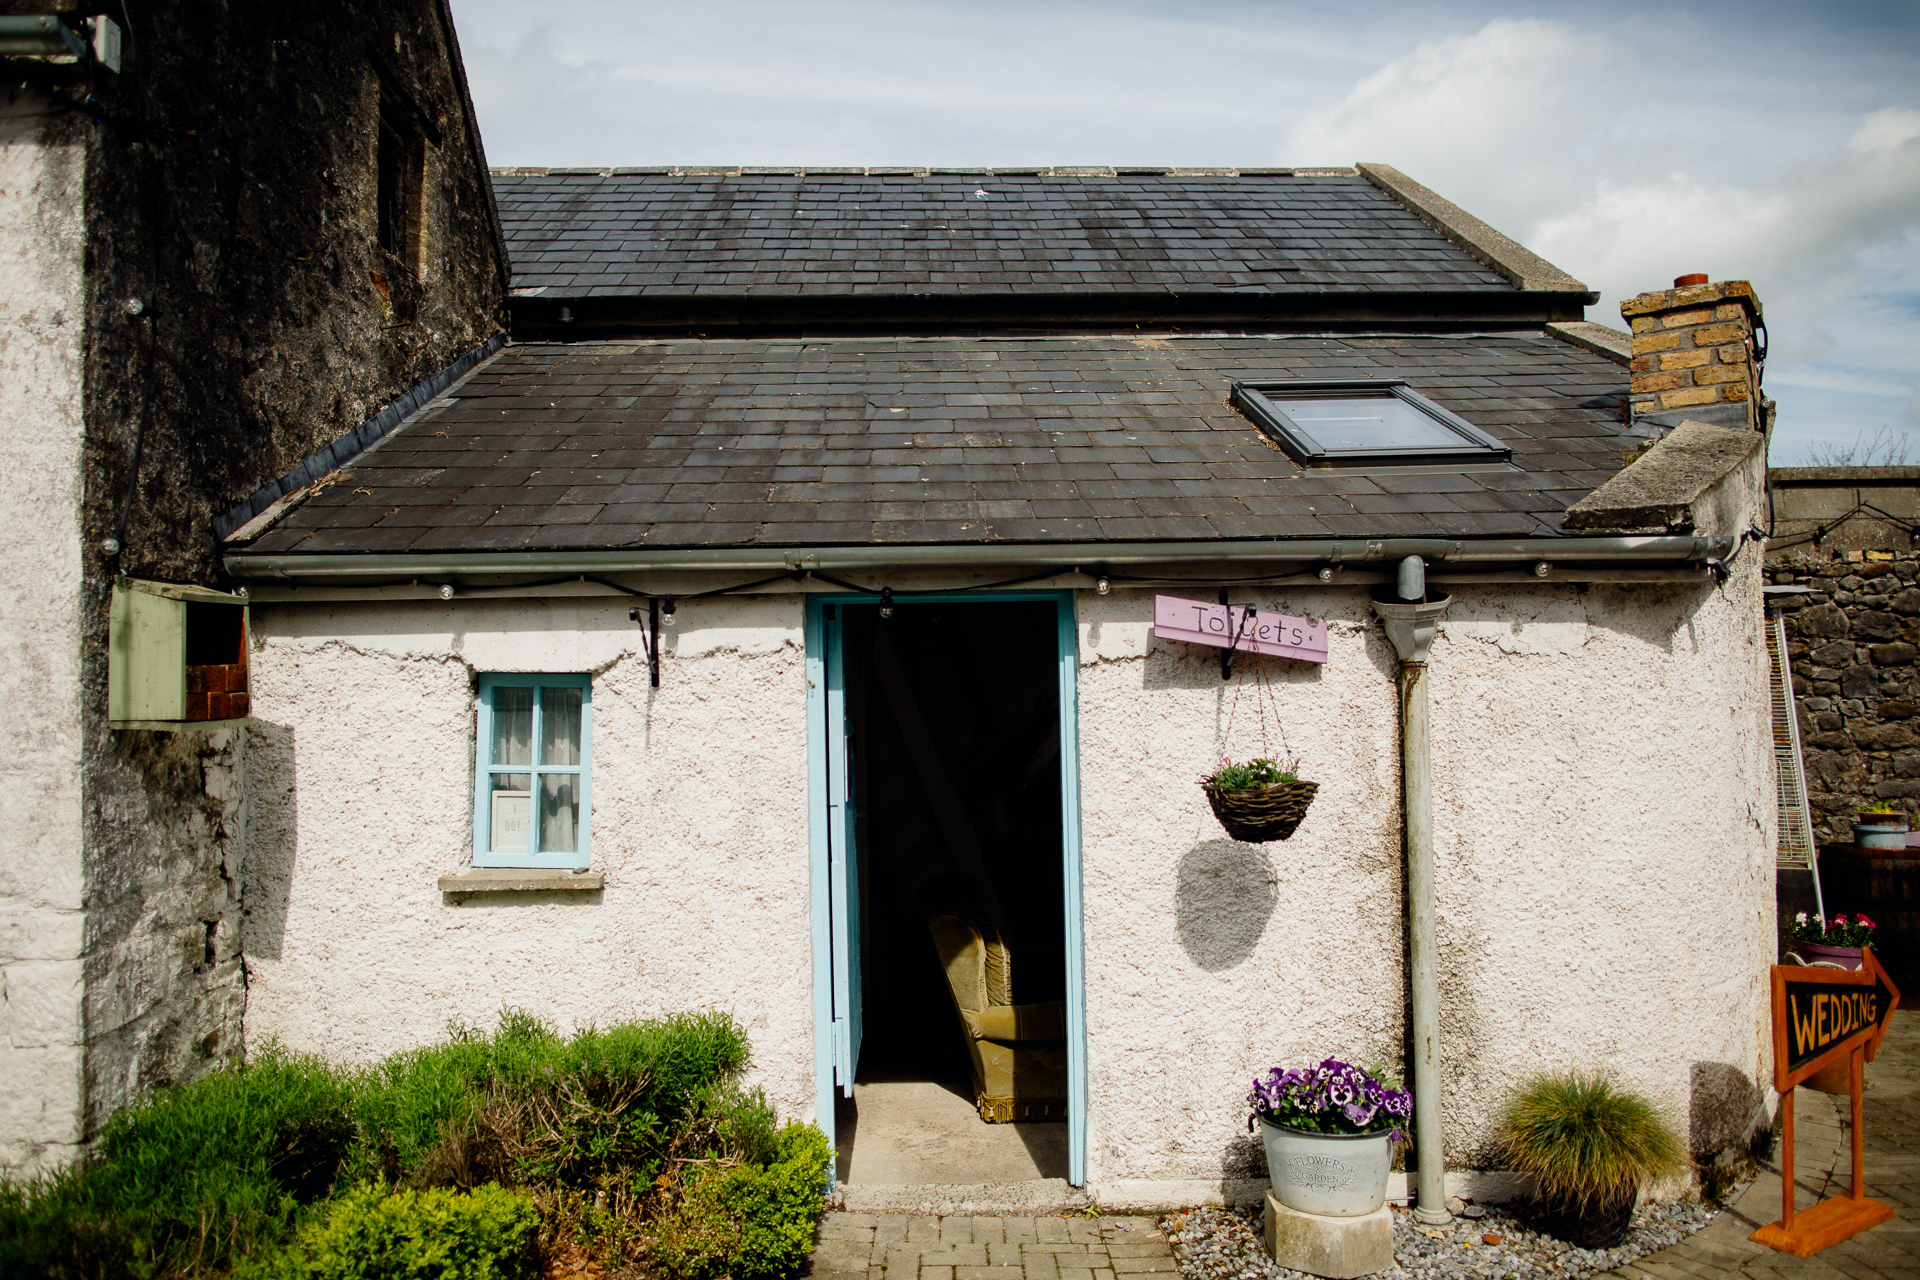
(1853, 641)
(241, 309)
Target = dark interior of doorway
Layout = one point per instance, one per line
(981, 680)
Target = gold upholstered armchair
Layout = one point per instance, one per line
(1019, 1051)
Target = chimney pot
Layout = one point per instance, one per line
(1687, 281)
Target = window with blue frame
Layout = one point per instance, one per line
(533, 771)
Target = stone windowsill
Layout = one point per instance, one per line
(520, 880)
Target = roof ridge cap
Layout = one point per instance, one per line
(1523, 268)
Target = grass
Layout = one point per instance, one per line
(612, 1134)
(1585, 1141)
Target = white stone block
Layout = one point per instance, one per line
(40, 933)
(42, 1003)
(1339, 1248)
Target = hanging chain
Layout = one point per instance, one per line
(1262, 686)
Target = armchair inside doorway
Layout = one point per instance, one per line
(1019, 1051)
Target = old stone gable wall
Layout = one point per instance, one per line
(241, 311)
(1852, 643)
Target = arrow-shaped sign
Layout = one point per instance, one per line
(1821, 1015)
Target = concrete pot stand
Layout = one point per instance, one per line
(1326, 1211)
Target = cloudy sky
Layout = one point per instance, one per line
(1627, 142)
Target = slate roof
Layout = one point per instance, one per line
(701, 443)
(769, 234)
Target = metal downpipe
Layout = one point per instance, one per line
(1410, 624)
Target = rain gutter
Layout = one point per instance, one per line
(1668, 549)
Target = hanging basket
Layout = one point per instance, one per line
(1259, 814)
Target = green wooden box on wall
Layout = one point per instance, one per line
(176, 657)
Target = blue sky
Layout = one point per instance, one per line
(1627, 143)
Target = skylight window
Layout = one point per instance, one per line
(1344, 424)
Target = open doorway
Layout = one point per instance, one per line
(956, 830)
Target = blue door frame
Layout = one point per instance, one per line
(823, 657)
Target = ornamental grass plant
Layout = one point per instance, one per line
(1588, 1144)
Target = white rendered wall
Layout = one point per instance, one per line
(1603, 813)
(42, 316)
(360, 764)
(1603, 816)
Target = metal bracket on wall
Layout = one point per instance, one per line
(651, 634)
(1226, 654)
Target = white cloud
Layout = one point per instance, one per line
(1627, 144)
(1652, 176)
(1483, 118)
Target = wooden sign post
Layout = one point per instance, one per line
(1821, 1017)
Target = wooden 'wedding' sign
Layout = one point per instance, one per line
(1229, 626)
(1822, 1017)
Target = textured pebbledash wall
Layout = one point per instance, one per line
(360, 772)
(1571, 856)
(42, 890)
(1853, 642)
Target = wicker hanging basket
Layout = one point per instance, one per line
(1259, 814)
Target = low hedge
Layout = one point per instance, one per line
(629, 1143)
(436, 1234)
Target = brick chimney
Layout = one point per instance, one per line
(1694, 354)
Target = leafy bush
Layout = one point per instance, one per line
(608, 1132)
(749, 1221)
(437, 1234)
(601, 1110)
(190, 1179)
(1586, 1142)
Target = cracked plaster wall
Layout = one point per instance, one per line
(1604, 827)
(1603, 811)
(360, 773)
(42, 310)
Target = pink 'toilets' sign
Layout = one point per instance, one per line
(1301, 639)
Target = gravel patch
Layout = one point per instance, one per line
(1226, 1244)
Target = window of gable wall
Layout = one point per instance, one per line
(400, 164)
(533, 771)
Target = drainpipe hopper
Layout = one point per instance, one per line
(1410, 624)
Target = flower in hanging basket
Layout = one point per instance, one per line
(1334, 1097)
(1259, 800)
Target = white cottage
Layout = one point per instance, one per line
(788, 585)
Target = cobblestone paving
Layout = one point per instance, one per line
(870, 1246)
(1822, 1168)
(857, 1246)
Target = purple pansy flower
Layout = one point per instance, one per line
(1333, 1097)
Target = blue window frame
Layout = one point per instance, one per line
(532, 789)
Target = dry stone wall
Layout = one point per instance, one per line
(1853, 642)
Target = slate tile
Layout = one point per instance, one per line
(1199, 461)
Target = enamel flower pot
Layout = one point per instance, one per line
(1336, 1175)
(1880, 835)
(1819, 953)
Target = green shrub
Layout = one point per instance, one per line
(601, 1127)
(600, 1110)
(1586, 1142)
(437, 1234)
(749, 1221)
(191, 1179)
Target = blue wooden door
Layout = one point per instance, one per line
(843, 865)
